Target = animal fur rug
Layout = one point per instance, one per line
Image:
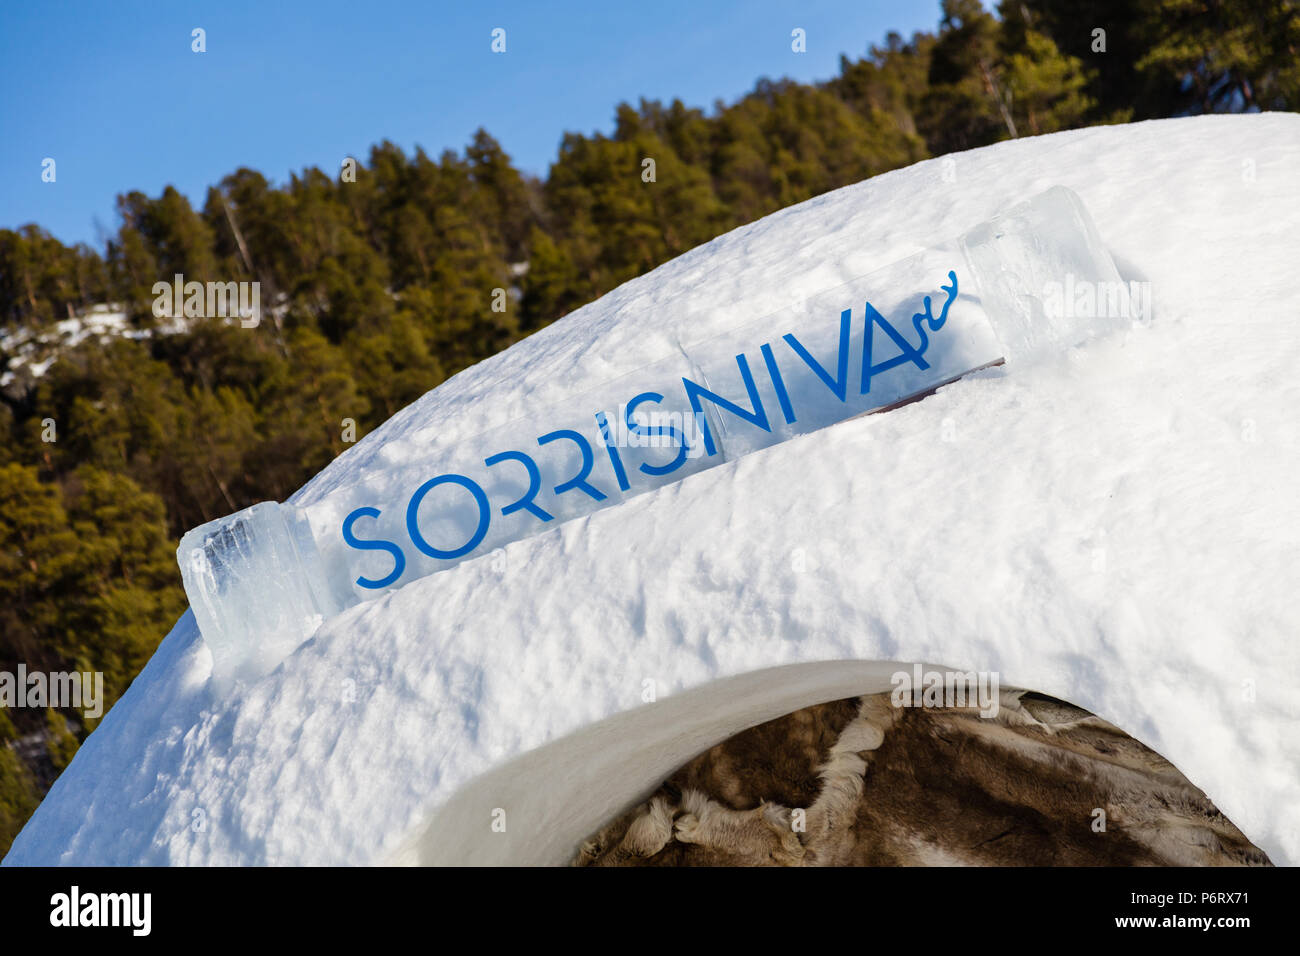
(860, 782)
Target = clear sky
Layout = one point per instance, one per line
(111, 90)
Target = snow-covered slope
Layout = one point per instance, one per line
(1116, 525)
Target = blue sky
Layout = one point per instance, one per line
(113, 93)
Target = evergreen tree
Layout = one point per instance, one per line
(965, 105)
(1227, 55)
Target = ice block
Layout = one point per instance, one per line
(256, 585)
(1029, 261)
(262, 580)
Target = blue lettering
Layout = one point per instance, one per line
(656, 431)
(696, 393)
(579, 481)
(534, 484)
(484, 516)
(615, 459)
(839, 385)
(778, 383)
(399, 559)
(907, 353)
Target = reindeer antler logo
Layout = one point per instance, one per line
(921, 319)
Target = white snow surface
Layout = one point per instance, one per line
(1116, 525)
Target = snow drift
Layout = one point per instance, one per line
(1113, 524)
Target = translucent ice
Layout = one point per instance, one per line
(262, 580)
(256, 586)
(1045, 277)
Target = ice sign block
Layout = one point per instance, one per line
(255, 584)
(262, 580)
(1031, 260)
